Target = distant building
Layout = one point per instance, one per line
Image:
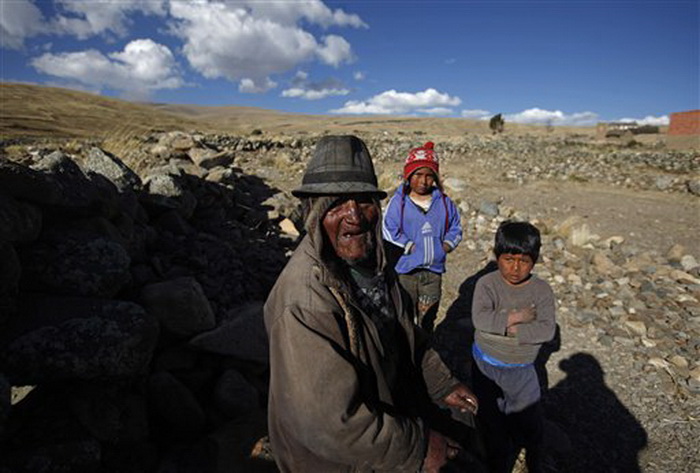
(684, 130)
(623, 129)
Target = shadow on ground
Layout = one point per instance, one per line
(600, 433)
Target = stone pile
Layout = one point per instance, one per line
(521, 158)
(529, 158)
(131, 333)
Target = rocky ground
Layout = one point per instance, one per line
(619, 222)
(620, 251)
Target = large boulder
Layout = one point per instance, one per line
(113, 169)
(28, 184)
(242, 336)
(180, 305)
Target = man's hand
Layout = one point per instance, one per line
(463, 399)
(440, 449)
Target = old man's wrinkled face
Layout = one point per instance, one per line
(349, 225)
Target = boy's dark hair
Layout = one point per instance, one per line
(518, 238)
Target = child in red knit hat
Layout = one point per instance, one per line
(424, 222)
(424, 156)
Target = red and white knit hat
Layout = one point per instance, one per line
(422, 157)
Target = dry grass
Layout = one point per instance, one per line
(30, 111)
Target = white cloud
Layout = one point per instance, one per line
(87, 18)
(335, 50)
(256, 86)
(253, 40)
(18, 22)
(537, 116)
(392, 102)
(303, 88)
(301, 76)
(476, 113)
(313, 94)
(21, 19)
(358, 75)
(231, 39)
(290, 13)
(648, 120)
(143, 66)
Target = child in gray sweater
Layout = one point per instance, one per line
(513, 315)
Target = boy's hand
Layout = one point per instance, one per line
(519, 316)
(446, 247)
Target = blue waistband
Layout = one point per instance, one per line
(476, 351)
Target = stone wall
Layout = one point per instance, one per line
(131, 331)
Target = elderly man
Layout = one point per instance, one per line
(349, 369)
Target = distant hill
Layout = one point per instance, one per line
(32, 111)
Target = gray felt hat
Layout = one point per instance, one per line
(340, 165)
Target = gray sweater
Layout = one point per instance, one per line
(493, 299)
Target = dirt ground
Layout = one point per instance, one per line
(647, 220)
(651, 221)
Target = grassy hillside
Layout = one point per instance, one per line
(31, 111)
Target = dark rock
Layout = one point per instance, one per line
(110, 413)
(198, 457)
(76, 338)
(5, 401)
(76, 194)
(94, 267)
(180, 305)
(243, 336)
(234, 395)
(69, 456)
(19, 221)
(10, 273)
(130, 457)
(27, 184)
(175, 404)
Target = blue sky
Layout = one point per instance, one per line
(547, 62)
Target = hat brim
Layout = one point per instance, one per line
(338, 188)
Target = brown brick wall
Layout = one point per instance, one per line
(685, 123)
